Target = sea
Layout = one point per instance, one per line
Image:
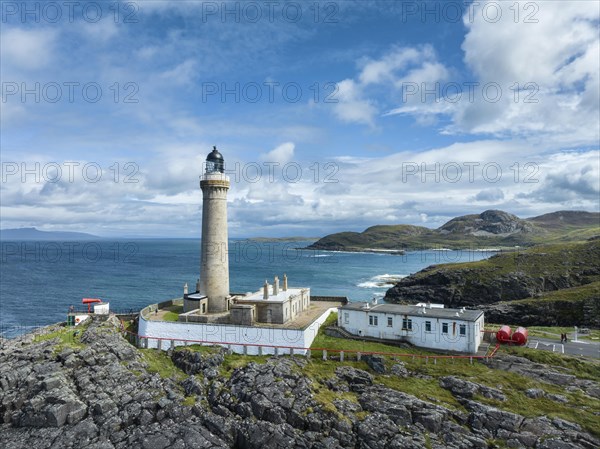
(40, 280)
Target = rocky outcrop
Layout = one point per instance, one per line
(104, 394)
(488, 223)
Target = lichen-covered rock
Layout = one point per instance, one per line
(103, 395)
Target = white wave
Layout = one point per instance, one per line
(388, 277)
(369, 284)
(381, 280)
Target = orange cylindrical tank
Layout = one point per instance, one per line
(519, 336)
(503, 334)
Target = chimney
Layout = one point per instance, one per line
(198, 285)
(185, 289)
(276, 286)
(284, 282)
(266, 290)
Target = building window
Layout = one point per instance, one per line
(462, 330)
(372, 320)
(444, 328)
(427, 326)
(406, 324)
(390, 321)
(346, 317)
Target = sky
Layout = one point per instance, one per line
(331, 116)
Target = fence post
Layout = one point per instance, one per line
(245, 350)
(341, 356)
(324, 354)
(358, 356)
(260, 350)
(308, 354)
(172, 344)
(159, 345)
(276, 351)
(471, 359)
(435, 360)
(292, 352)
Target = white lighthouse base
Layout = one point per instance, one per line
(252, 340)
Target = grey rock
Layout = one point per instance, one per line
(399, 369)
(535, 393)
(376, 363)
(354, 376)
(467, 389)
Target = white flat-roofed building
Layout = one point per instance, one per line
(275, 305)
(435, 328)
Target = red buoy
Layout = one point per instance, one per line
(503, 334)
(519, 336)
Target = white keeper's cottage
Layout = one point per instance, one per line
(428, 327)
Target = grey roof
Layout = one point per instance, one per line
(400, 309)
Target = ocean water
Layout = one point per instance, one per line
(40, 280)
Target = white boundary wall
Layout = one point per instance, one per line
(238, 338)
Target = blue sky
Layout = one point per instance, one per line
(380, 112)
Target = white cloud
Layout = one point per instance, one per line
(282, 154)
(387, 77)
(351, 106)
(28, 49)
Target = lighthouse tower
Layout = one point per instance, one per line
(214, 260)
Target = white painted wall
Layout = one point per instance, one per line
(81, 318)
(234, 336)
(102, 309)
(357, 322)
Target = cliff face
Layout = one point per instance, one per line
(530, 274)
(100, 392)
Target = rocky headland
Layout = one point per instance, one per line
(95, 390)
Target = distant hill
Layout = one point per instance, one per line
(492, 228)
(36, 234)
(564, 218)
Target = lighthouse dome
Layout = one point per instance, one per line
(215, 162)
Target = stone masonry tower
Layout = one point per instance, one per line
(214, 260)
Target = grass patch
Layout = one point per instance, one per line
(67, 337)
(159, 362)
(581, 367)
(325, 341)
(189, 401)
(171, 316)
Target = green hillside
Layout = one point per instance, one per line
(489, 229)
